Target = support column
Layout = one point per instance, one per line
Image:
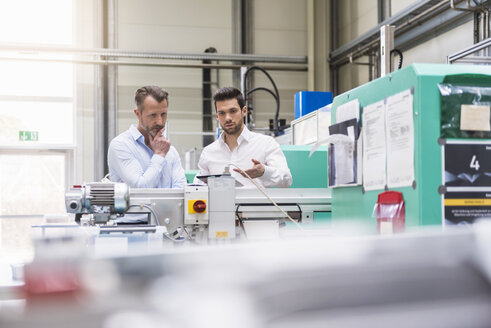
(106, 87)
(318, 47)
(99, 97)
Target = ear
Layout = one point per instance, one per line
(137, 113)
(244, 111)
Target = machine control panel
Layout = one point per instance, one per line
(196, 204)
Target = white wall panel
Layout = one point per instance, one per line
(276, 42)
(194, 39)
(397, 5)
(280, 29)
(436, 50)
(185, 13)
(284, 15)
(356, 17)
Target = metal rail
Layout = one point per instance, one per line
(296, 67)
(460, 56)
(116, 53)
(418, 12)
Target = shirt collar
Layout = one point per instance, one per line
(244, 136)
(135, 133)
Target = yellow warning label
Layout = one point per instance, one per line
(221, 234)
(468, 202)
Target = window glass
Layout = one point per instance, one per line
(16, 244)
(36, 79)
(28, 123)
(32, 183)
(35, 21)
(36, 111)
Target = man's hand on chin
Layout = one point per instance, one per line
(160, 145)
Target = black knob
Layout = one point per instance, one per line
(73, 205)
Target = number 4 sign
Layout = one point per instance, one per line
(474, 163)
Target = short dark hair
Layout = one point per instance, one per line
(154, 91)
(227, 93)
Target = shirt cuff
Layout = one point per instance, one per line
(268, 172)
(158, 160)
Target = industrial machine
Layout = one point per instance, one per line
(416, 141)
(216, 211)
(105, 201)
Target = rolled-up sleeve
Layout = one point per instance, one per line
(123, 164)
(276, 171)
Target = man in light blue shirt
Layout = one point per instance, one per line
(141, 156)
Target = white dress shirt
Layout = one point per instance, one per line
(263, 148)
(131, 161)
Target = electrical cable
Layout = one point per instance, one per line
(263, 89)
(166, 235)
(241, 223)
(266, 195)
(399, 53)
(277, 98)
(106, 178)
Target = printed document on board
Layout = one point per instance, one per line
(342, 153)
(348, 111)
(400, 139)
(374, 146)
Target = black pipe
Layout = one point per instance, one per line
(207, 101)
(399, 53)
(276, 94)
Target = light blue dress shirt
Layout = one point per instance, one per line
(133, 162)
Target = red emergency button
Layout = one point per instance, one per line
(199, 206)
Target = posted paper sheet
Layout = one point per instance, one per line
(343, 137)
(400, 139)
(374, 147)
(348, 111)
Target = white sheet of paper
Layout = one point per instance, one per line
(348, 111)
(374, 147)
(400, 139)
(343, 153)
(343, 161)
(323, 122)
(359, 160)
(475, 117)
(334, 139)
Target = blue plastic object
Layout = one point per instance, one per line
(308, 101)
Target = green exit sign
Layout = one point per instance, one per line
(28, 136)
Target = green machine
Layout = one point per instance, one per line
(307, 171)
(424, 198)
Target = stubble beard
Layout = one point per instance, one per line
(233, 130)
(153, 130)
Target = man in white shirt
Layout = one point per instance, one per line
(142, 156)
(243, 148)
